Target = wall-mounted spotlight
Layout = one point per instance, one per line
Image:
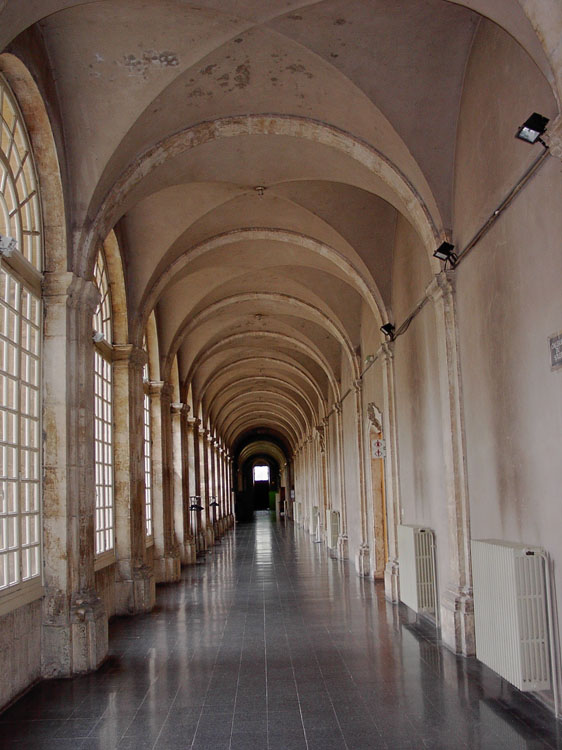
(445, 252)
(388, 330)
(532, 129)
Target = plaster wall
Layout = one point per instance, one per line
(419, 430)
(20, 650)
(509, 302)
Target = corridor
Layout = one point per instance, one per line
(272, 644)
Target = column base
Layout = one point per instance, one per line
(135, 593)
(457, 621)
(74, 640)
(201, 542)
(392, 581)
(342, 547)
(363, 560)
(189, 552)
(167, 569)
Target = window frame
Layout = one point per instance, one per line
(104, 350)
(26, 218)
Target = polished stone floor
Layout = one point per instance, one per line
(271, 645)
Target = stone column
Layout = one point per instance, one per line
(191, 428)
(221, 493)
(215, 511)
(134, 578)
(342, 539)
(167, 566)
(457, 604)
(209, 528)
(203, 489)
(74, 629)
(229, 462)
(180, 488)
(391, 477)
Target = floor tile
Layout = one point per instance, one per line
(270, 644)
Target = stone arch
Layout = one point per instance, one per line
(46, 159)
(152, 346)
(426, 220)
(315, 355)
(369, 292)
(116, 280)
(292, 302)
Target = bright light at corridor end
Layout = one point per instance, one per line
(261, 473)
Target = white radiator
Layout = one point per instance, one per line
(334, 528)
(510, 612)
(416, 549)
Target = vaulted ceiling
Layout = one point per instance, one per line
(255, 159)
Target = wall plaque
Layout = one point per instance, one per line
(555, 346)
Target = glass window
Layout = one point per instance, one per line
(147, 448)
(103, 413)
(20, 352)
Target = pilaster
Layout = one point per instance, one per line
(457, 613)
(391, 476)
(363, 555)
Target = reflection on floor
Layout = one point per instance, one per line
(271, 644)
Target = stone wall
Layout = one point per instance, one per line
(20, 650)
(105, 587)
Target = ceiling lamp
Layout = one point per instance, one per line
(445, 252)
(532, 129)
(388, 330)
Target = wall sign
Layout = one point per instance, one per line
(555, 346)
(378, 448)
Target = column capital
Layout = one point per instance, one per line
(129, 354)
(387, 350)
(358, 385)
(441, 286)
(338, 407)
(80, 292)
(160, 388)
(193, 423)
(177, 407)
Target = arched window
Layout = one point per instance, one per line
(21, 258)
(103, 413)
(147, 448)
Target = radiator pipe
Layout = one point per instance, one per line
(551, 634)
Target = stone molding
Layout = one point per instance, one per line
(129, 354)
(160, 388)
(179, 409)
(553, 137)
